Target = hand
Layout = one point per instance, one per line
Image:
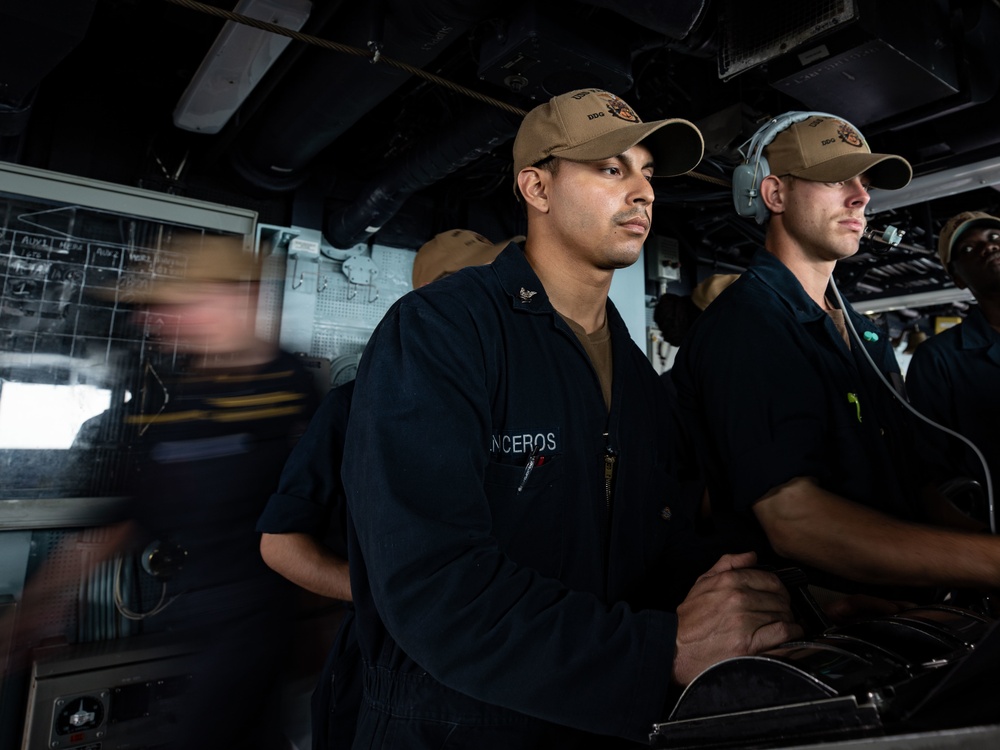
(732, 610)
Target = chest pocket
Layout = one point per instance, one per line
(529, 525)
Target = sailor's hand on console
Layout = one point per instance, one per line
(732, 610)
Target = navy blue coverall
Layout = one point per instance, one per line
(509, 528)
(768, 391)
(952, 380)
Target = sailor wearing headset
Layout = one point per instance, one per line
(807, 452)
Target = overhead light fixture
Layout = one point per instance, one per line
(937, 185)
(235, 64)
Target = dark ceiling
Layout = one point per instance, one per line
(331, 140)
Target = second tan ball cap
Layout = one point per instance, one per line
(705, 293)
(452, 251)
(591, 124)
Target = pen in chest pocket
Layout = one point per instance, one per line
(533, 460)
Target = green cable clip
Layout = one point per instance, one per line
(852, 398)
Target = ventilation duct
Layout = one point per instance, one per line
(327, 92)
(467, 139)
(35, 35)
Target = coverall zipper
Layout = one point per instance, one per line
(610, 457)
(610, 454)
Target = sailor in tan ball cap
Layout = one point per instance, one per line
(507, 479)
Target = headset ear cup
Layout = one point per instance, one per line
(744, 190)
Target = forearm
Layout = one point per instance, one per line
(818, 528)
(306, 562)
(942, 512)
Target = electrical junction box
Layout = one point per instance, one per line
(663, 260)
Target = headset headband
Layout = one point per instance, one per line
(748, 176)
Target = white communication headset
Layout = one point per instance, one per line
(748, 176)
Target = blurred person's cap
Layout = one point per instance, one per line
(956, 226)
(825, 149)
(187, 260)
(452, 251)
(591, 124)
(710, 288)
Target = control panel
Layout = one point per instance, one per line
(106, 696)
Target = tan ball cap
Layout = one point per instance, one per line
(710, 288)
(188, 260)
(956, 226)
(591, 124)
(452, 251)
(826, 149)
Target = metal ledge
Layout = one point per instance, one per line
(920, 299)
(61, 512)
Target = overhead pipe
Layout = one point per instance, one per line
(36, 35)
(326, 93)
(468, 138)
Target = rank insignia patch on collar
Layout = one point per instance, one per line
(525, 295)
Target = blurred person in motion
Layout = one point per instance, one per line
(214, 430)
(953, 375)
(303, 527)
(216, 415)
